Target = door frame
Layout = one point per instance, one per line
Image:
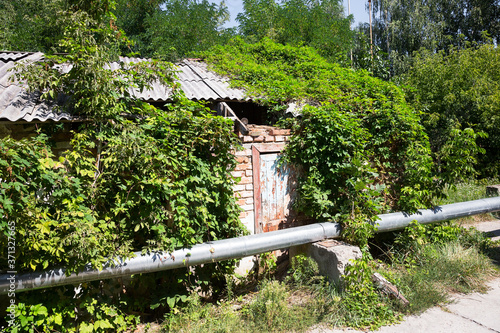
(257, 150)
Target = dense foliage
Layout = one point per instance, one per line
(360, 145)
(136, 179)
(173, 29)
(320, 24)
(29, 25)
(164, 29)
(403, 27)
(458, 89)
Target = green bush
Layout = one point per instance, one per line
(304, 271)
(459, 89)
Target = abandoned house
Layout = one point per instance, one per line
(264, 191)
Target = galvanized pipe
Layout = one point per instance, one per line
(232, 248)
(395, 221)
(236, 247)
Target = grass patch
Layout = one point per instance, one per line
(441, 269)
(274, 308)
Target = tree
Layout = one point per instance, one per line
(317, 23)
(132, 17)
(403, 27)
(458, 89)
(136, 179)
(172, 29)
(29, 25)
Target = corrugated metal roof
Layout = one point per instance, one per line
(197, 82)
(15, 102)
(13, 56)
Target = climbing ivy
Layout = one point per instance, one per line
(136, 178)
(359, 144)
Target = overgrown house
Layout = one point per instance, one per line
(264, 190)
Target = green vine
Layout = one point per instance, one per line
(360, 145)
(136, 179)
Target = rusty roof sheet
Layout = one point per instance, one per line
(197, 82)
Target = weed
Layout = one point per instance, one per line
(431, 261)
(362, 306)
(270, 306)
(203, 317)
(443, 268)
(304, 271)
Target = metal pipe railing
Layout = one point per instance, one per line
(232, 248)
(395, 221)
(235, 248)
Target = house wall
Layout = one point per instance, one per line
(264, 138)
(18, 131)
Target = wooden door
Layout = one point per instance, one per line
(274, 189)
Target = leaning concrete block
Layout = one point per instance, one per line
(332, 257)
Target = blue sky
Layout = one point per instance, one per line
(357, 9)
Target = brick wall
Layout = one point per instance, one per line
(61, 140)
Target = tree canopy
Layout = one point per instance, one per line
(317, 23)
(403, 27)
(173, 29)
(457, 89)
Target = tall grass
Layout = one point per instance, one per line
(442, 268)
(274, 308)
(467, 191)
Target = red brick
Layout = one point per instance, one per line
(245, 180)
(279, 131)
(246, 194)
(269, 138)
(238, 174)
(247, 207)
(242, 159)
(237, 188)
(257, 132)
(245, 152)
(243, 167)
(247, 138)
(279, 138)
